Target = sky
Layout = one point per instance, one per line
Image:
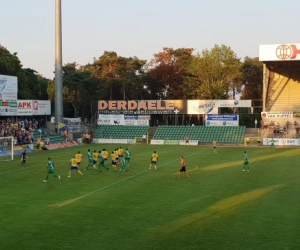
(142, 28)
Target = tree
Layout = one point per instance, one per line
(213, 74)
(9, 63)
(32, 85)
(252, 72)
(117, 75)
(166, 72)
(78, 91)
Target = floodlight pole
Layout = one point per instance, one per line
(58, 64)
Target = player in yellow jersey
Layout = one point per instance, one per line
(79, 157)
(215, 146)
(74, 166)
(116, 152)
(113, 160)
(105, 154)
(154, 160)
(95, 159)
(120, 151)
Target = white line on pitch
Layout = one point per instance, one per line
(100, 189)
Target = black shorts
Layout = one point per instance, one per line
(182, 169)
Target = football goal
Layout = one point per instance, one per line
(6, 148)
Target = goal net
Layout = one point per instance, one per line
(6, 148)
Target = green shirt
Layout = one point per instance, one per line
(127, 154)
(50, 164)
(89, 155)
(123, 162)
(246, 158)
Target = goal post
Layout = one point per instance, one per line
(6, 148)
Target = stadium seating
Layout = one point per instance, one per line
(54, 138)
(120, 131)
(203, 134)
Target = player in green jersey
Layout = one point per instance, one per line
(123, 165)
(101, 161)
(246, 162)
(127, 156)
(89, 159)
(272, 145)
(51, 170)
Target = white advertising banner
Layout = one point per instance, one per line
(41, 107)
(212, 106)
(222, 120)
(8, 88)
(8, 108)
(9, 96)
(282, 141)
(286, 114)
(157, 142)
(191, 142)
(279, 52)
(121, 120)
(73, 124)
(25, 107)
(118, 141)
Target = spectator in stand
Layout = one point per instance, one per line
(38, 143)
(66, 134)
(87, 138)
(29, 137)
(26, 124)
(42, 144)
(47, 141)
(56, 127)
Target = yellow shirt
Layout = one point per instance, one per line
(74, 162)
(121, 151)
(113, 157)
(95, 156)
(154, 157)
(78, 157)
(105, 154)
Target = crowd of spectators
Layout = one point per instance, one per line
(281, 129)
(20, 129)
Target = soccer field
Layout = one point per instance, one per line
(219, 207)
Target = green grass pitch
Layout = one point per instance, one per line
(219, 207)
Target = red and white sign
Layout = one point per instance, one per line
(40, 107)
(33, 107)
(24, 107)
(279, 52)
(287, 114)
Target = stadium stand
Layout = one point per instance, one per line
(120, 131)
(53, 138)
(55, 141)
(230, 134)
